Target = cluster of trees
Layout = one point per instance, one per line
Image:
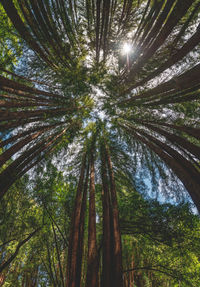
(160, 242)
(75, 181)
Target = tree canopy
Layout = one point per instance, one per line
(91, 135)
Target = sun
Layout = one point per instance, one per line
(126, 48)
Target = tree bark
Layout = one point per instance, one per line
(117, 276)
(81, 231)
(92, 261)
(180, 141)
(23, 31)
(176, 167)
(74, 233)
(106, 268)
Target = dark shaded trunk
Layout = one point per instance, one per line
(181, 53)
(5, 156)
(140, 26)
(23, 31)
(21, 104)
(23, 78)
(24, 162)
(98, 5)
(159, 22)
(4, 82)
(177, 167)
(180, 141)
(106, 264)
(147, 22)
(27, 132)
(191, 131)
(81, 231)
(74, 233)
(117, 275)
(185, 81)
(193, 173)
(179, 10)
(58, 255)
(92, 261)
(14, 124)
(6, 116)
(51, 272)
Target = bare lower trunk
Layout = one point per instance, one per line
(81, 231)
(106, 268)
(92, 268)
(74, 234)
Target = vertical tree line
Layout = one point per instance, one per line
(111, 248)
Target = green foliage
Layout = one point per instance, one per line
(10, 44)
(160, 242)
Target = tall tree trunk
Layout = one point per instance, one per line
(6, 155)
(179, 10)
(13, 171)
(74, 234)
(117, 274)
(92, 263)
(186, 80)
(180, 141)
(176, 166)
(23, 31)
(26, 132)
(192, 131)
(15, 86)
(106, 268)
(81, 231)
(181, 53)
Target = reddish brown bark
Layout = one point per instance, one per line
(22, 77)
(117, 276)
(180, 141)
(192, 131)
(16, 147)
(192, 172)
(46, 151)
(24, 162)
(181, 53)
(179, 10)
(21, 95)
(74, 233)
(4, 82)
(177, 167)
(106, 264)
(27, 132)
(18, 123)
(21, 104)
(48, 36)
(81, 231)
(7, 115)
(92, 261)
(23, 31)
(185, 81)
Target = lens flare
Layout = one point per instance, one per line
(126, 48)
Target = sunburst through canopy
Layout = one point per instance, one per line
(119, 80)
